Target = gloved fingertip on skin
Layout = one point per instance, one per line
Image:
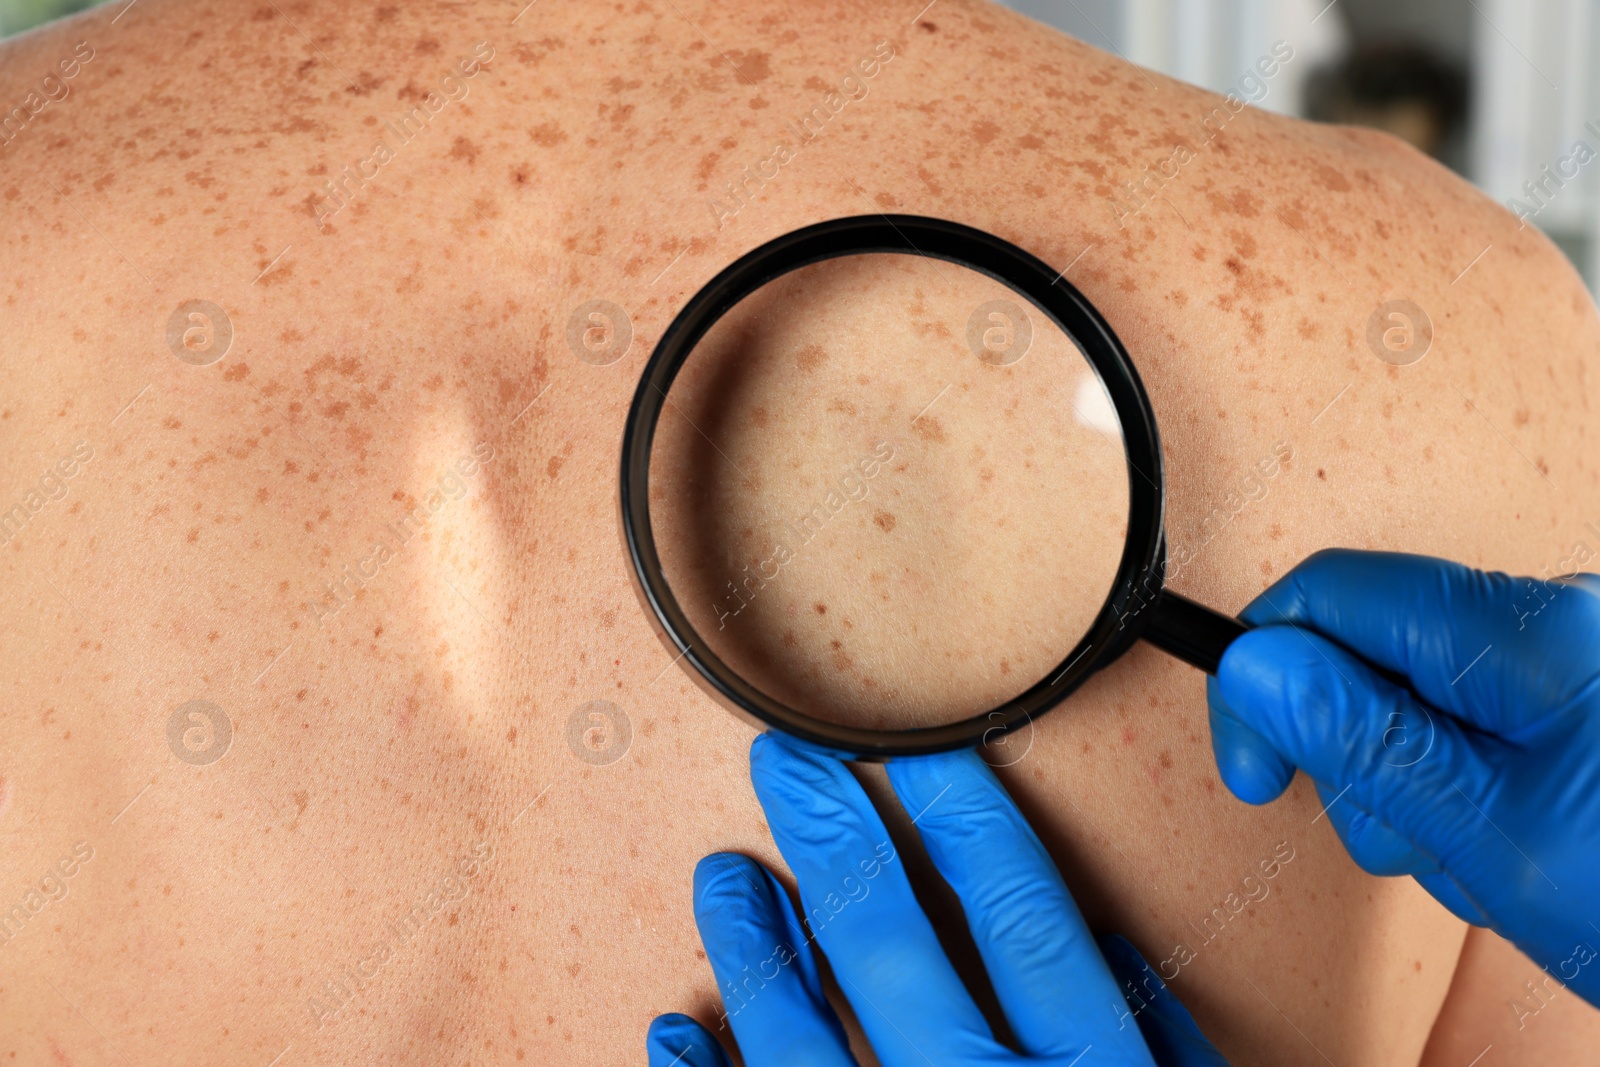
(919, 780)
(1249, 766)
(773, 756)
(726, 878)
(675, 1040)
(736, 907)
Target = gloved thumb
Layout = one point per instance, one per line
(1288, 692)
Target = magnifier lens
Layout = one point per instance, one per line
(889, 492)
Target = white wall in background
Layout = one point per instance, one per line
(1535, 72)
(1536, 89)
(1210, 43)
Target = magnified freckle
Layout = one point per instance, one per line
(821, 608)
(884, 521)
(811, 357)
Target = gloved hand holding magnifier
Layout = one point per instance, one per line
(892, 486)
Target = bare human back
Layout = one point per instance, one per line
(434, 791)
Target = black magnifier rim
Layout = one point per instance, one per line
(1139, 575)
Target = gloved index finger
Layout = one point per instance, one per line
(1468, 641)
(771, 992)
(862, 912)
(1058, 993)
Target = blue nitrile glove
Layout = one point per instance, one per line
(1482, 780)
(1060, 997)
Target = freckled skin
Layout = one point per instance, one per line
(374, 348)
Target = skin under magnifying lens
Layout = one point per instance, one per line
(744, 528)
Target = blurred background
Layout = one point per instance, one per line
(1501, 91)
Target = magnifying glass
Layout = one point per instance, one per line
(891, 485)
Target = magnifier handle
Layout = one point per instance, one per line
(1191, 631)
